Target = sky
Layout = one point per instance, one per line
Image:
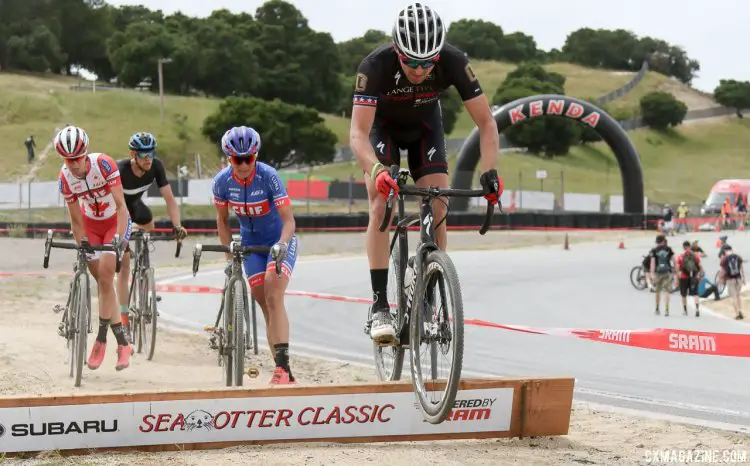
(714, 33)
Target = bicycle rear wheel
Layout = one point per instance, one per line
(82, 306)
(433, 329)
(389, 360)
(148, 313)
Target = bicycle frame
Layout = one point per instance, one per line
(81, 324)
(238, 252)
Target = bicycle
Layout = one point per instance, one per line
(77, 310)
(414, 300)
(638, 277)
(229, 335)
(142, 299)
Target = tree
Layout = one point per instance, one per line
(351, 52)
(735, 94)
(478, 38)
(290, 134)
(299, 65)
(550, 135)
(450, 106)
(518, 47)
(661, 110)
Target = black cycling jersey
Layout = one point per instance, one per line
(381, 83)
(408, 116)
(134, 186)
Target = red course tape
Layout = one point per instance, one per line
(660, 339)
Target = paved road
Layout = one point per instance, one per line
(585, 287)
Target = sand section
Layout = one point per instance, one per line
(33, 360)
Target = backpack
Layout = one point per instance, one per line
(689, 264)
(662, 261)
(733, 262)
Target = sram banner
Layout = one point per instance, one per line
(213, 419)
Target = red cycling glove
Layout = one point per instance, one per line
(493, 185)
(384, 183)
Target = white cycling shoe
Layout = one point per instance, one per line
(382, 331)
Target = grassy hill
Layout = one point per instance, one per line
(34, 104)
(679, 166)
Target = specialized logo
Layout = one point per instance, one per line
(397, 76)
(381, 146)
(430, 153)
(427, 222)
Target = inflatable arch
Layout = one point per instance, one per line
(568, 107)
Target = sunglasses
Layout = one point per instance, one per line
(145, 155)
(413, 64)
(241, 160)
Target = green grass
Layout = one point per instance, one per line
(674, 164)
(37, 104)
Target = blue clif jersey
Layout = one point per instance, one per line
(254, 201)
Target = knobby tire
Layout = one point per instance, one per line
(436, 413)
(149, 307)
(238, 317)
(83, 307)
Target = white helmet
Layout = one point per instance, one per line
(71, 142)
(418, 32)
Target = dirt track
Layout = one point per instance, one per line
(34, 361)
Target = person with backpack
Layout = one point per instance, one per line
(662, 268)
(732, 272)
(689, 266)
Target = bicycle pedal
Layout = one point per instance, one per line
(253, 372)
(57, 308)
(209, 329)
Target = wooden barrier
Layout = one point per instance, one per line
(209, 419)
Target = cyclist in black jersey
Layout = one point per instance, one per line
(137, 173)
(396, 106)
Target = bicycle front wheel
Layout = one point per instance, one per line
(82, 306)
(148, 313)
(238, 330)
(434, 330)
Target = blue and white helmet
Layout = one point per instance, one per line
(241, 141)
(142, 142)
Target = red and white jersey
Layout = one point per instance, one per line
(93, 192)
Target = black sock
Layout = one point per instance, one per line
(119, 334)
(281, 356)
(379, 279)
(102, 335)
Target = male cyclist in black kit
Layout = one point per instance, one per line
(137, 173)
(396, 106)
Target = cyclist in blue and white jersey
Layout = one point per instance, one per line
(256, 194)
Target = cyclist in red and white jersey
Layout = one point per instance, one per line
(90, 184)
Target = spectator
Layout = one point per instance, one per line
(30, 146)
(732, 272)
(682, 213)
(668, 225)
(707, 288)
(662, 270)
(690, 270)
